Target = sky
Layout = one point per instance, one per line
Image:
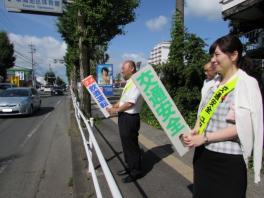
(151, 26)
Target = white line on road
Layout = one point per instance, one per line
(58, 103)
(6, 164)
(37, 127)
(34, 131)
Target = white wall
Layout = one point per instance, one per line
(226, 4)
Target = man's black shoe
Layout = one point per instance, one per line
(131, 178)
(128, 179)
(122, 172)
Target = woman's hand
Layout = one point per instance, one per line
(194, 131)
(192, 139)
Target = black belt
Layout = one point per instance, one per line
(131, 114)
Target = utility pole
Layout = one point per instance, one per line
(180, 9)
(32, 51)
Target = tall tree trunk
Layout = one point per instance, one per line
(73, 77)
(84, 68)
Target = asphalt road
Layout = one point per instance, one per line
(35, 152)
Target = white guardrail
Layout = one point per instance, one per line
(88, 145)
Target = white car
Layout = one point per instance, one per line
(48, 88)
(17, 101)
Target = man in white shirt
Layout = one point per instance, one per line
(211, 75)
(128, 109)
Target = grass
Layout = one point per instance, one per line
(70, 182)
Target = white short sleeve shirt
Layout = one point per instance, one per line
(131, 94)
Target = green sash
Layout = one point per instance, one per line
(209, 109)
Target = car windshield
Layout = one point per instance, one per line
(5, 86)
(15, 93)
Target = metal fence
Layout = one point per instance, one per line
(89, 145)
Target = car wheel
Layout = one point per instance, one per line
(39, 105)
(30, 110)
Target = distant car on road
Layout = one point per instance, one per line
(4, 86)
(48, 88)
(41, 88)
(21, 100)
(57, 91)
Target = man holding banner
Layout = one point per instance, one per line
(128, 109)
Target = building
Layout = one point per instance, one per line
(246, 19)
(20, 76)
(159, 54)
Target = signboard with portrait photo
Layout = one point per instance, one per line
(105, 78)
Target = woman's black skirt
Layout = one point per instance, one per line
(218, 175)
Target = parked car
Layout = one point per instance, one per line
(57, 91)
(21, 100)
(4, 86)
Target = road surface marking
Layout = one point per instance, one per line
(34, 130)
(57, 103)
(172, 161)
(4, 165)
(38, 126)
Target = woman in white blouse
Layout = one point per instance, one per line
(233, 131)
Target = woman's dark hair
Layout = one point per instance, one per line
(105, 69)
(228, 44)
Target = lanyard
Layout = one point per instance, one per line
(209, 109)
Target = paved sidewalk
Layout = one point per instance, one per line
(155, 143)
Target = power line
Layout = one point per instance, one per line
(21, 59)
(25, 57)
(18, 44)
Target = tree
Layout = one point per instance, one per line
(7, 58)
(118, 78)
(59, 81)
(172, 70)
(183, 74)
(50, 77)
(67, 26)
(94, 23)
(71, 59)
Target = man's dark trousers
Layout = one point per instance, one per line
(129, 125)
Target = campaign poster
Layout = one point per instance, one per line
(97, 94)
(104, 74)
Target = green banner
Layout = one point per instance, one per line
(162, 105)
